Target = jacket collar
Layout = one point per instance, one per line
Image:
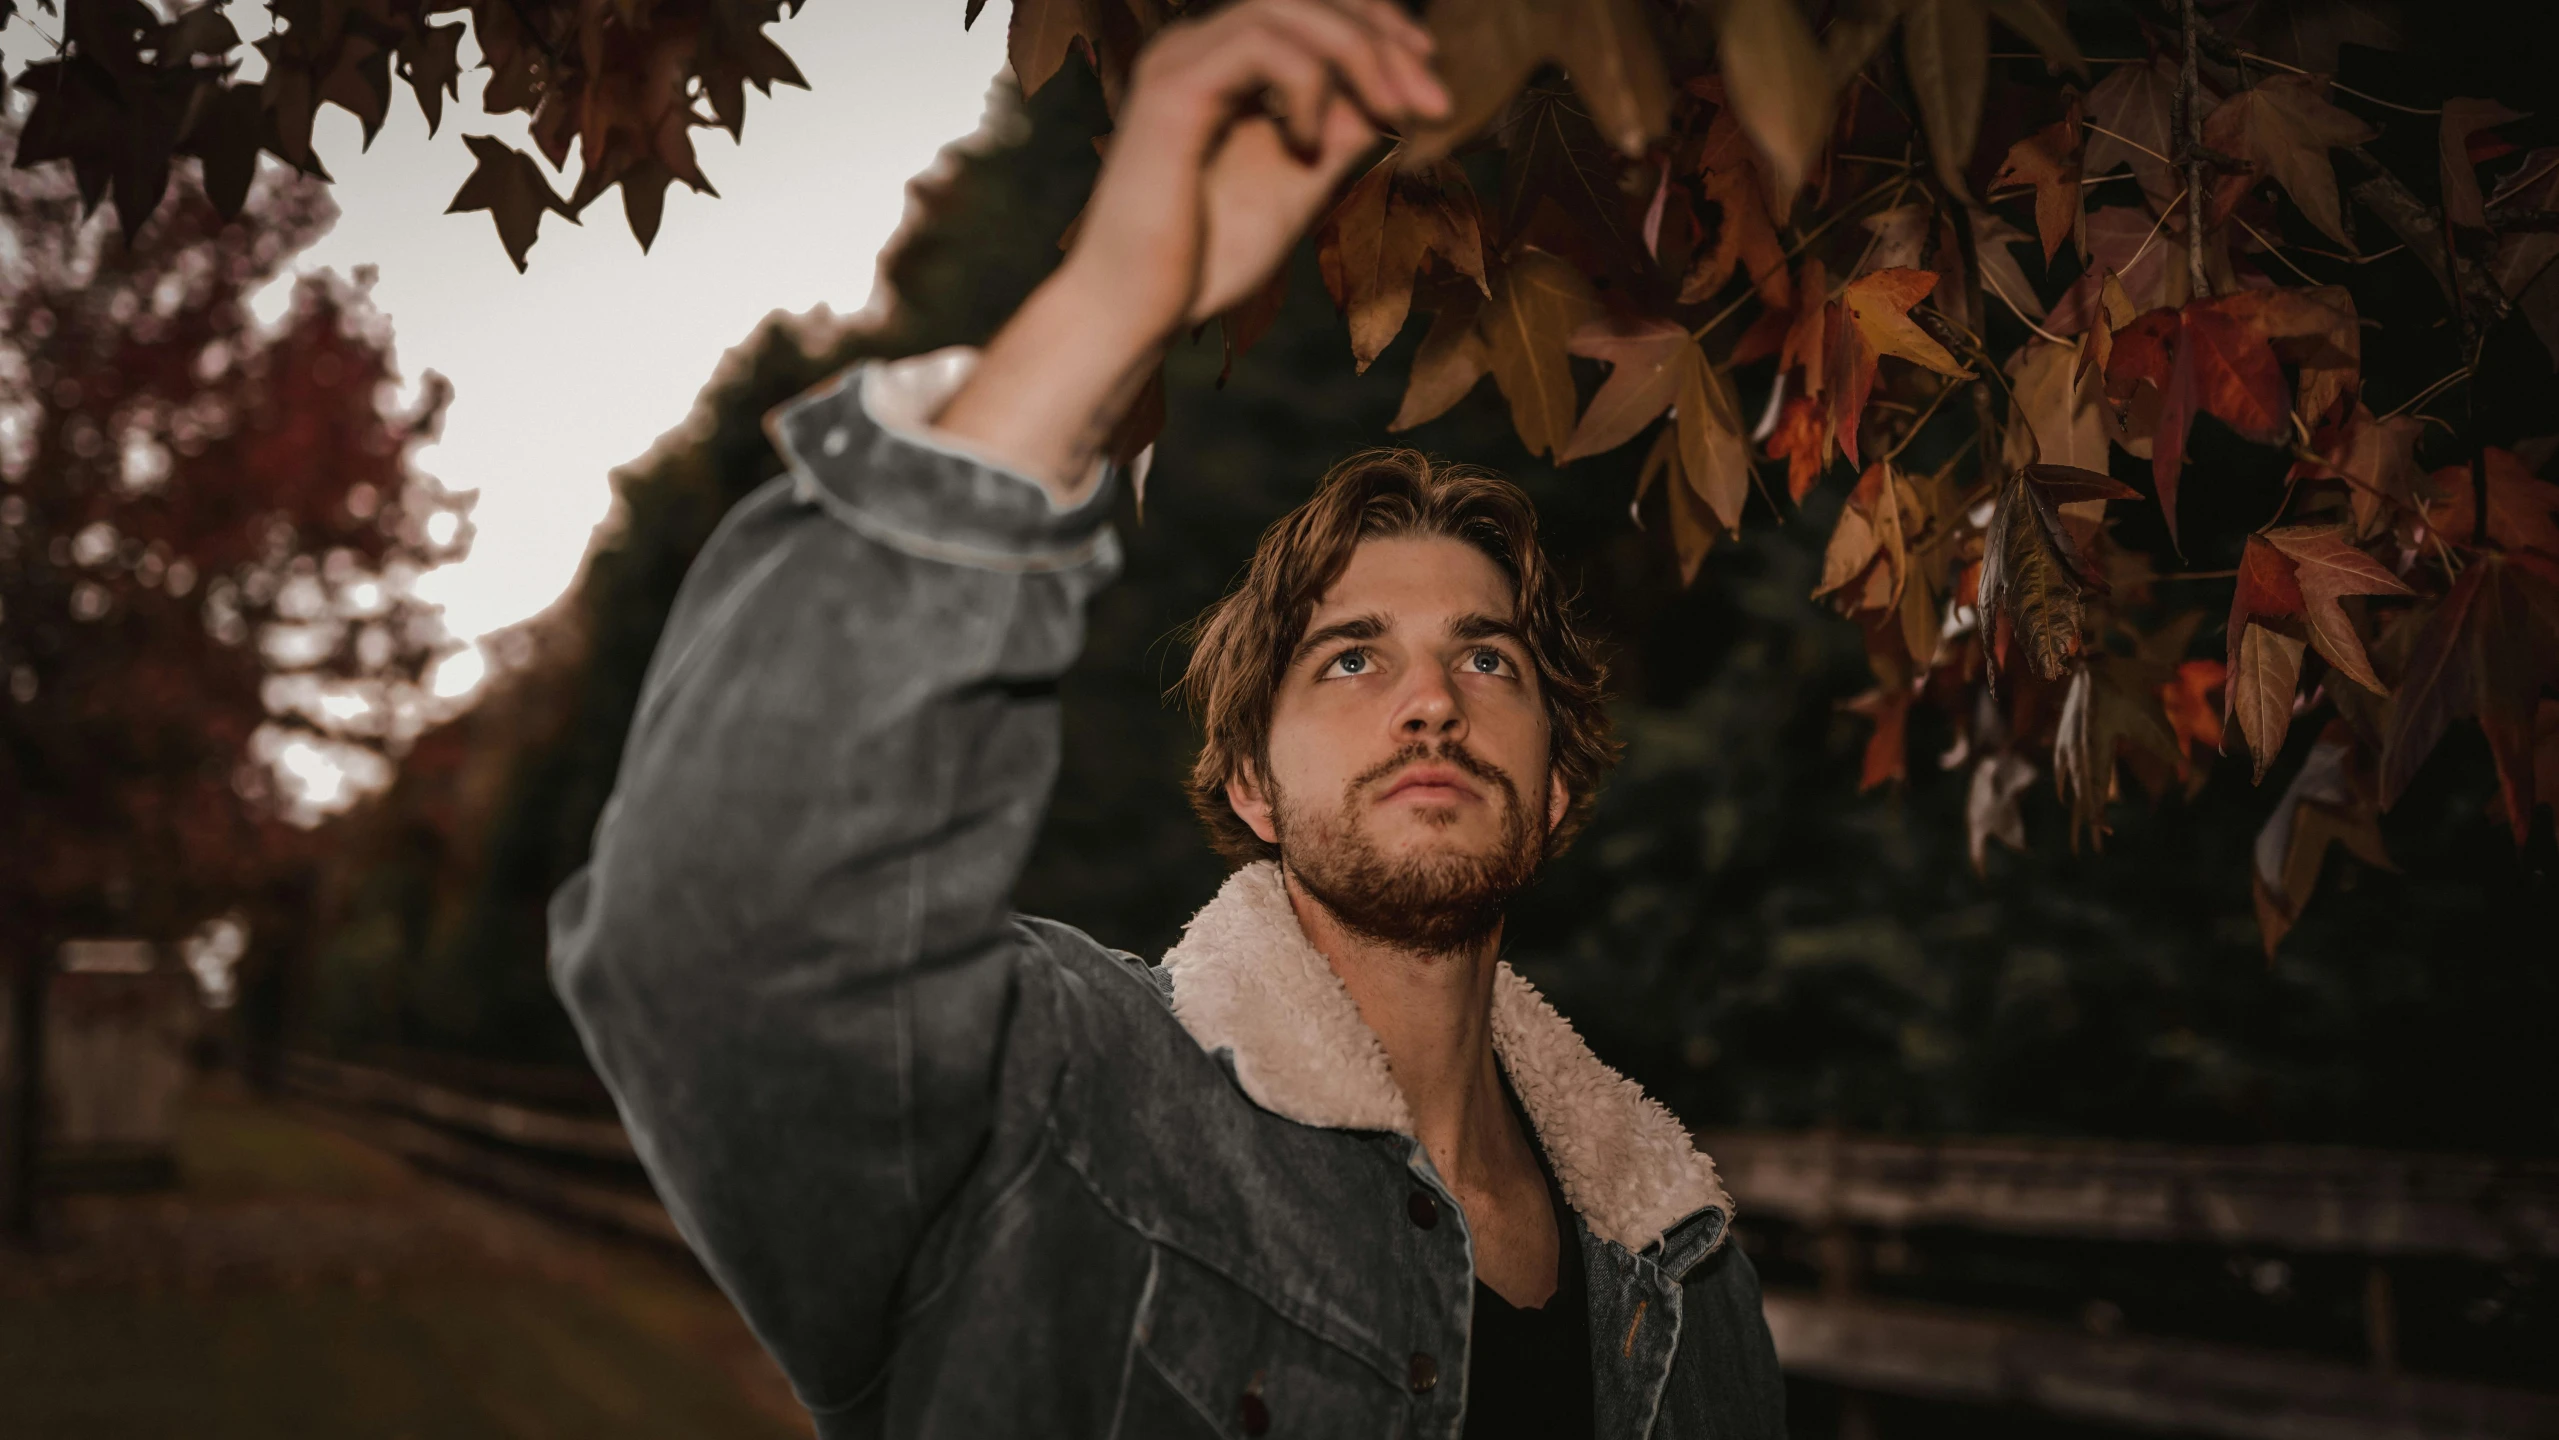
(1245, 980)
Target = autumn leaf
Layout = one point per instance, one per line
(2283, 127)
(2377, 460)
(2000, 779)
(1714, 458)
(1872, 320)
(2048, 160)
(2523, 511)
(2317, 330)
(1745, 236)
(1879, 306)
(2130, 113)
(1042, 34)
(1383, 231)
(508, 184)
(2434, 686)
(1527, 323)
(1647, 357)
(1780, 87)
(2261, 689)
(1692, 521)
(2060, 414)
(1489, 48)
(2112, 702)
(2326, 567)
(1867, 545)
(2186, 698)
(2463, 117)
(1802, 440)
(1887, 747)
(2210, 356)
(2033, 572)
(2326, 804)
(1452, 357)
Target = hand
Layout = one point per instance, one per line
(1235, 131)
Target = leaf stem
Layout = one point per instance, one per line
(2274, 64)
(2455, 378)
(1921, 423)
(2154, 229)
(1800, 246)
(2013, 308)
(2128, 140)
(2272, 248)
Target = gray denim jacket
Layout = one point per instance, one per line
(968, 1173)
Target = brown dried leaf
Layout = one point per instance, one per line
(1527, 324)
(2261, 691)
(2283, 127)
(2326, 566)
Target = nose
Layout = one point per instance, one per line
(1429, 711)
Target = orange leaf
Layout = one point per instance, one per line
(2049, 161)
(2325, 567)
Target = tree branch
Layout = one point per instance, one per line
(2190, 140)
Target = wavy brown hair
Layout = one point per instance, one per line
(1240, 646)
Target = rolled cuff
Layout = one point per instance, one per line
(863, 446)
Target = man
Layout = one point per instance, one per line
(1331, 1169)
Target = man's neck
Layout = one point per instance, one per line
(1433, 1015)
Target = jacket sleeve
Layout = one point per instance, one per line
(792, 956)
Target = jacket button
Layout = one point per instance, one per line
(1422, 1209)
(1257, 1415)
(1423, 1373)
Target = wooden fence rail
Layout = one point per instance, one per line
(2303, 1198)
(2295, 1198)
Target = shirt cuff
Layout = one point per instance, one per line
(863, 446)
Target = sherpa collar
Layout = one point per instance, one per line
(1246, 980)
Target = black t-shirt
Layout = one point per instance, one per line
(1529, 1375)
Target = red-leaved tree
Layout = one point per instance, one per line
(208, 532)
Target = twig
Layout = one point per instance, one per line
(1921, 423)
(2154, 230)
(2272, 248)
(2014, 310)
(2343, 259)
(2091, 59)
(2275, 64)
(1800, 246)
(2196, 575)
(2455, 378)
(2128, 140)
(2190, 128)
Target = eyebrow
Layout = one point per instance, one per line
(1358, 627)
(1479, 626)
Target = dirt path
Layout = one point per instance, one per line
(300, 1283)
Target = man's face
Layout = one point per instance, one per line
(1409, 785)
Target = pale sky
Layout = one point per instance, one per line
(576, 366)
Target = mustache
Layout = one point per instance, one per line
(1449, 752)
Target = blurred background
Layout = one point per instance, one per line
(303, 728)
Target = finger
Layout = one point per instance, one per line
(1396, 23)
(1379, 73)
(1300, 88)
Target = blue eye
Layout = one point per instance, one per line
(1349, 662)
(1489, 662)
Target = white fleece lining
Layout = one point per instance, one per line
(904, 397)
(1247, 981)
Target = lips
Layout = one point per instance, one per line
(1433, 782)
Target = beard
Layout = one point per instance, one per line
(1434, 903)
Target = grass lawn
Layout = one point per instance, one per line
(300, 1284)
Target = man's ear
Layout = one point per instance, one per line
(1558, 800)
(1252, 805)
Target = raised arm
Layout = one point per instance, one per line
(792, 955)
